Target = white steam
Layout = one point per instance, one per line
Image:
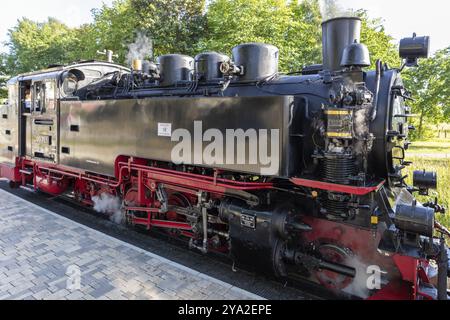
(361, 127)
(330, 9)
(404, 197)
(364, 276)
(361, 123)
(108, 204)
(140, 49)
(359, 285)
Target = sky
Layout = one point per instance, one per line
(71, 12)
(401, 17)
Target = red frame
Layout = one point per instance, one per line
(358, 191)
(131, 171)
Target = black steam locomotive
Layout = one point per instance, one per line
(296, 175)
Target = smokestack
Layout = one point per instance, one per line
(337, 34)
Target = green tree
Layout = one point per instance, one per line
(35, 45)
(380, 44)
(430, 87)
(294, 27)
(184, 26)
(113, 28)
(3, 76)
(84, 45)
(304, 35)
(175, 26)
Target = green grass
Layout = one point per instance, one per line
(437, 147)
(433, 156)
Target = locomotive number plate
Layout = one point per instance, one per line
(248, 221)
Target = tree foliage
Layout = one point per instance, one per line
(380, 44)
(175, 26)
(192, 26)
(294, 27)
(3, 76)
(430, 86)
(35, 45)
(187, 27)
(172, 25)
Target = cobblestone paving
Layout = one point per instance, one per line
(45, 256)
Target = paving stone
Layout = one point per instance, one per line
(37, 260)
(42, 294)
(58, 295)
(4, 296)
(75, 295)
(101, 291)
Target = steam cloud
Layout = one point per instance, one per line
(330, 9)
(359, 285)
(141, 48)
(361, 127)
(108, 204)
(363, 277)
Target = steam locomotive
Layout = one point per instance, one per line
(296, 175)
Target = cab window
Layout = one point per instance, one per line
(50, 95)
(38, 97)
(26, 96)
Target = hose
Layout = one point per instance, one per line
(377, 90)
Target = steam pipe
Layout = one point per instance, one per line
(338, 268)
(377, 90)
(441, 228)
(298, 258)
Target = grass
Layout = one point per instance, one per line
(433, 156)
(438, 148)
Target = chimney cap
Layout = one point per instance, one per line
(341, 18)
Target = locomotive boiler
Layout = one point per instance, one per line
(296, 175)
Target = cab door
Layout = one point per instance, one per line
(9, 126)
(44, 121)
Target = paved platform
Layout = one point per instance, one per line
(46, 256)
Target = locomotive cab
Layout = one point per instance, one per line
(31, 117)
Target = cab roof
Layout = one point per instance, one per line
(55, 71)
